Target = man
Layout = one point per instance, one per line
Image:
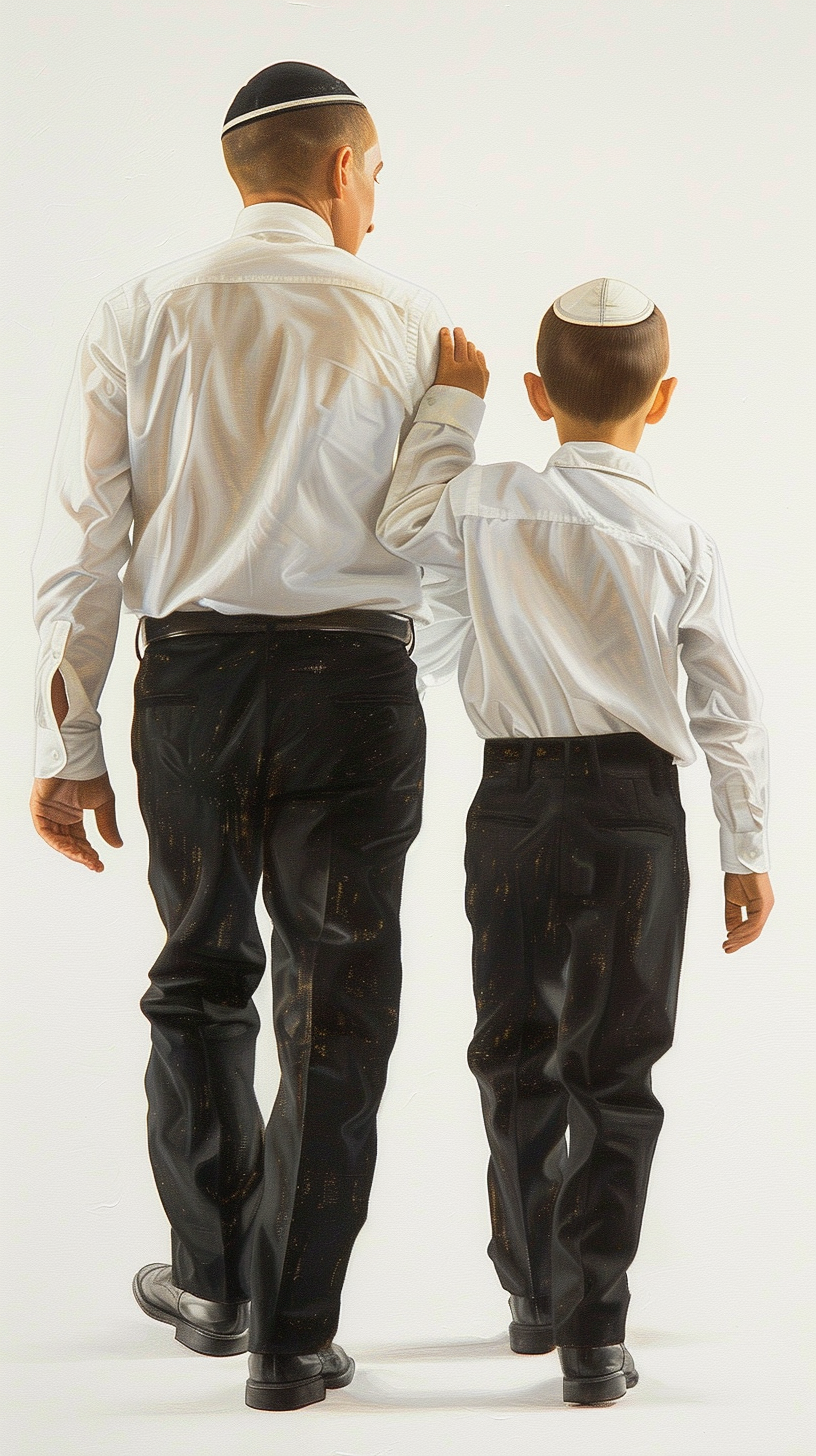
(239, 412)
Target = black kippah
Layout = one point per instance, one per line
(287, 86)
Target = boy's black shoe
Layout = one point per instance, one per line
(531, 1331)
(287, 1382)
(595, 1374)
(204, 1325)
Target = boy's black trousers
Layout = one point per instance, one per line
(577, 886)
(295, 757)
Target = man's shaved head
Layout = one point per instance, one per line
(284, 152)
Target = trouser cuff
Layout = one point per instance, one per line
(592, 1335)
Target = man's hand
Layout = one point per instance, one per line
(57, 807)
(755, 893)
(461, 363)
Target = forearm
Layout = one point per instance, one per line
(72, 666)
(724, 707)
(78, 598)
(738, 766)
(83, 545)
(439, 447)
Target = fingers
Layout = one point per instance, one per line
(460, 346)
(69, 840)
(744, 933)
(753, 894)
(461, 364)
(106, 823)
(57, 812)
(733, 915)
(740, 931)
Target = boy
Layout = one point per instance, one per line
(582, 587)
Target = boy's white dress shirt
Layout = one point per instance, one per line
(237, 413)
(583, 587)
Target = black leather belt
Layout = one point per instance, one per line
(346, 619)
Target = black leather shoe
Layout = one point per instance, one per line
(286, 1382)
(595, 1374)
(204, 1325)
(531, 1331)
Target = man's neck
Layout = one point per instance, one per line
(321, 206)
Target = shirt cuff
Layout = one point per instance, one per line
(74, 750)
(444, 404)
(744, 854)
(73, 753)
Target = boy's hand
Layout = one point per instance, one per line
(755, 893)
(461, 363)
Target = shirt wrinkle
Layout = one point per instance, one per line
(570, 633)
(210, 440)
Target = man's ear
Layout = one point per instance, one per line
(537, 395)
(341, 167)
(661, 401)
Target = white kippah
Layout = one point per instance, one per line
(605, 303)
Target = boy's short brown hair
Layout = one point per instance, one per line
(283, 151)
(601, 374)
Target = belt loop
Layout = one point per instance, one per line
(592, 744)
(659, 770)
(526, 764)
(139, 627)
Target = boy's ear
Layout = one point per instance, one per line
(537, 395)
(661, 401)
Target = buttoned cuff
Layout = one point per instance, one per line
(744, 854)
(73, 751)
(443, 404)
(68, 754)
(743, 835)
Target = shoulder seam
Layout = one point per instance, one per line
(327, 281)
(638, 538)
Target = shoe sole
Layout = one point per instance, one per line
(598, 1389)
(294, 1394)
(530, 1340)
(202, 1341)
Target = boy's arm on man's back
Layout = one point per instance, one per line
(439, 446)
(418, 521)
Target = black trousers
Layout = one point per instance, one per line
(577, 886)
(297, 756)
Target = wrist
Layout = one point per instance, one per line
(447, 404)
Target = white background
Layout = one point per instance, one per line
(528, 147)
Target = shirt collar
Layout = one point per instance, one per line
(282, 217)
(597, 455)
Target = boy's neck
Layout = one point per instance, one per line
(622, 434)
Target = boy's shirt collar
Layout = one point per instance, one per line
(597, 455)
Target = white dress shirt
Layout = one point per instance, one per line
(583, 587)
(229, 437)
